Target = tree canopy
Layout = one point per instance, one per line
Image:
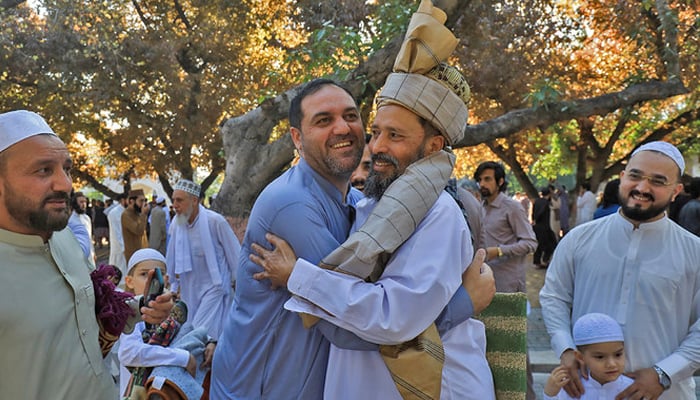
(170, 89)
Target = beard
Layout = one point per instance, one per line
(485, 192)
(183, 218)
(377, 184)
(38, 219)
(637, 213)
(337, 168)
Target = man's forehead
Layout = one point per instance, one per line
(330, 98)
(653, 162)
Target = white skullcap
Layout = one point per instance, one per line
(160, 199)
(189, 187)
(144, 255)
(16, 126)
(666, 149)
(596, 328)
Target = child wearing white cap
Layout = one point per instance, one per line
(600, 346)
(133, 352)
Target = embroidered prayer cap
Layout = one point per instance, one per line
(596, 328)
(422, 82)
(189, 187)
(135, 193)
(666, 149)
(16, 126)
(144, 255)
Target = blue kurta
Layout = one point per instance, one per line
(264, 351)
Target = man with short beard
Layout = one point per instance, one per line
(643, 270)
(48, 327)
(391, 279)
(202, 257)
(134, 222)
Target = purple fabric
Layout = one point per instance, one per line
(110, 304)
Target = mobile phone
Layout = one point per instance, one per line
(155, 286)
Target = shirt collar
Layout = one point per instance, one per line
(323, 183)
(643, 226)
(497, 201)
(20, 240)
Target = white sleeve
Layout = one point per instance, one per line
(417, 283)
(133, 352)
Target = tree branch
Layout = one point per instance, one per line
(181, 14)
(669, 30)
(5, 4)
(517, 120)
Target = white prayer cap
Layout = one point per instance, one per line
(596, 328)
(666, 149)
(189, 187)
(160, 199)
(144, 255)
(16, 126)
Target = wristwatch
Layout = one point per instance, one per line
(500, 252)
(664, 380)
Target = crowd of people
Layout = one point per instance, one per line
(360, 269)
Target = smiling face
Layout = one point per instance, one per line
(331, 134)
(35, 186)
(398, 139)
(648, 185)
(605, 361)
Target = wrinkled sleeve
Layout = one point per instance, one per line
(416, 278)
(133, 352)
(685, 360)
(526, 243)
(556, 296)
(230, 244)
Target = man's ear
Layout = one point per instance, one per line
(296, 138)
(435, 143)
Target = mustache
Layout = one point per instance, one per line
(385, 158)
(57, 196)
(648, 196)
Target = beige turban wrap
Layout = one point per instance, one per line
(422, 82)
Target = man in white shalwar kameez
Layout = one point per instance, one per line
(421, 110)
(202, 257)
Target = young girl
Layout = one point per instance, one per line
(600, 346)
(133, 352)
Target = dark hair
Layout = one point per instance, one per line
(296, 114)
(74, 200)
(694, 187)
(586, 185)
(498, 171)
(611, 193)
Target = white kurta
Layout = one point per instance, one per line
(207, 302)
(416, 285)
(116, 240)
(133, 352)
(595, 391)
(647, 279)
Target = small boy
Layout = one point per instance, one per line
(600, 346)
(133, 351)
